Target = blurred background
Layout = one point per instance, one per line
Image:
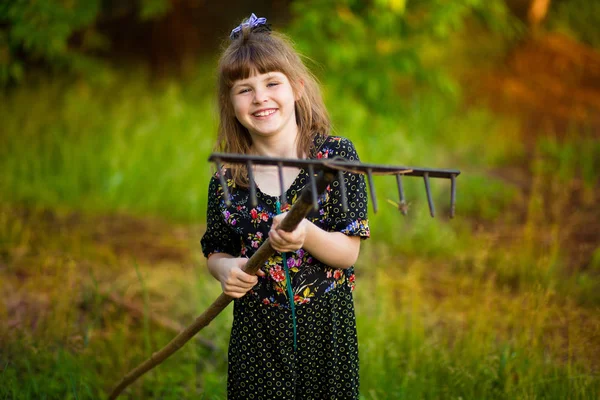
(108, 117)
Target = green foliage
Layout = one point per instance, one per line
(577, 18)
(153, 8)
(144, 153)
(41, 33)
(569, 160)
(40, 372)
(371, 49)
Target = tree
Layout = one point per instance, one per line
(370, 48)
(58, 35)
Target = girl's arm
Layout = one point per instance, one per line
(227, 269)
(335, 249)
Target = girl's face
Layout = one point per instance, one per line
(264, 104)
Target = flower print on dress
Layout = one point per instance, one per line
(351, 282)
(277, 273)
(330, 287)
(230, 217)
(255, 239)
(259, 215)
(337, 277)
(293, 262)
(359, 227)
(304, 294)
(253, 223)
(323, 154)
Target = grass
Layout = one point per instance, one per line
(83, 149)
(87, 150)
(103, 191)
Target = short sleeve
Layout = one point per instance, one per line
(354, 222)
(219, 236)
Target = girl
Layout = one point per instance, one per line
(294, 330)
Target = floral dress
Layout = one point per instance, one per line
(262, 361)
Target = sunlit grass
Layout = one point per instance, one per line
(429, 334)
(488, 305)
(428, 327)
(126, 145)
(132, 146)
(65, 338)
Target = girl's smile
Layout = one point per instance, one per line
(265, 113)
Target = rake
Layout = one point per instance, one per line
(322, 172)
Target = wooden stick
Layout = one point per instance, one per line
(299, 210)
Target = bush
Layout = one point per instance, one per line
(57, 35)
(371, 49)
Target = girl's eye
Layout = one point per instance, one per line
(244, 90)
(271, 84)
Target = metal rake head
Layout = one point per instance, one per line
(339, 165)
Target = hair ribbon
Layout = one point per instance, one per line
(252, 22)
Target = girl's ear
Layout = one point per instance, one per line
(300, 90)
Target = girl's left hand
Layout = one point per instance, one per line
(287, 241)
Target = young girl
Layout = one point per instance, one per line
(294, 330)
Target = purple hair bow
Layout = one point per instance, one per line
(252, 22)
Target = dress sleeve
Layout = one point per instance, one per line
(219, 236)
(355, 221)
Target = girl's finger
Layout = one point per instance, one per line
(289, 237)
(245, 279)
(276, 220)
(275, 238)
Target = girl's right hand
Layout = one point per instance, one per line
(234, 281)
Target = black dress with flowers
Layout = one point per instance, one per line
(262, 360)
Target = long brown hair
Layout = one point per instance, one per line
(263, 52)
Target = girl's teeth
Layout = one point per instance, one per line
(264, 113)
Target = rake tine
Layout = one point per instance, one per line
(372, 189)
(429, 199)
(280, 172)
(252, 184)
(343, 190)
(313, 187)
(401, 192)
(452, 195)
(223, 182)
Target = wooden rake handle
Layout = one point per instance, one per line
(299, 210)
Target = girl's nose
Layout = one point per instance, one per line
(260, 96)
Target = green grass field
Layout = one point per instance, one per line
(102, 198)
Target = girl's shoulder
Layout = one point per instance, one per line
(335, 146)
(222, 171)
(215, 180)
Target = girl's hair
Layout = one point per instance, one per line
(262, 51)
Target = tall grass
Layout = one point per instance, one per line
(483, 306)
(124, 145)
(132, 146)
(428, 327)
